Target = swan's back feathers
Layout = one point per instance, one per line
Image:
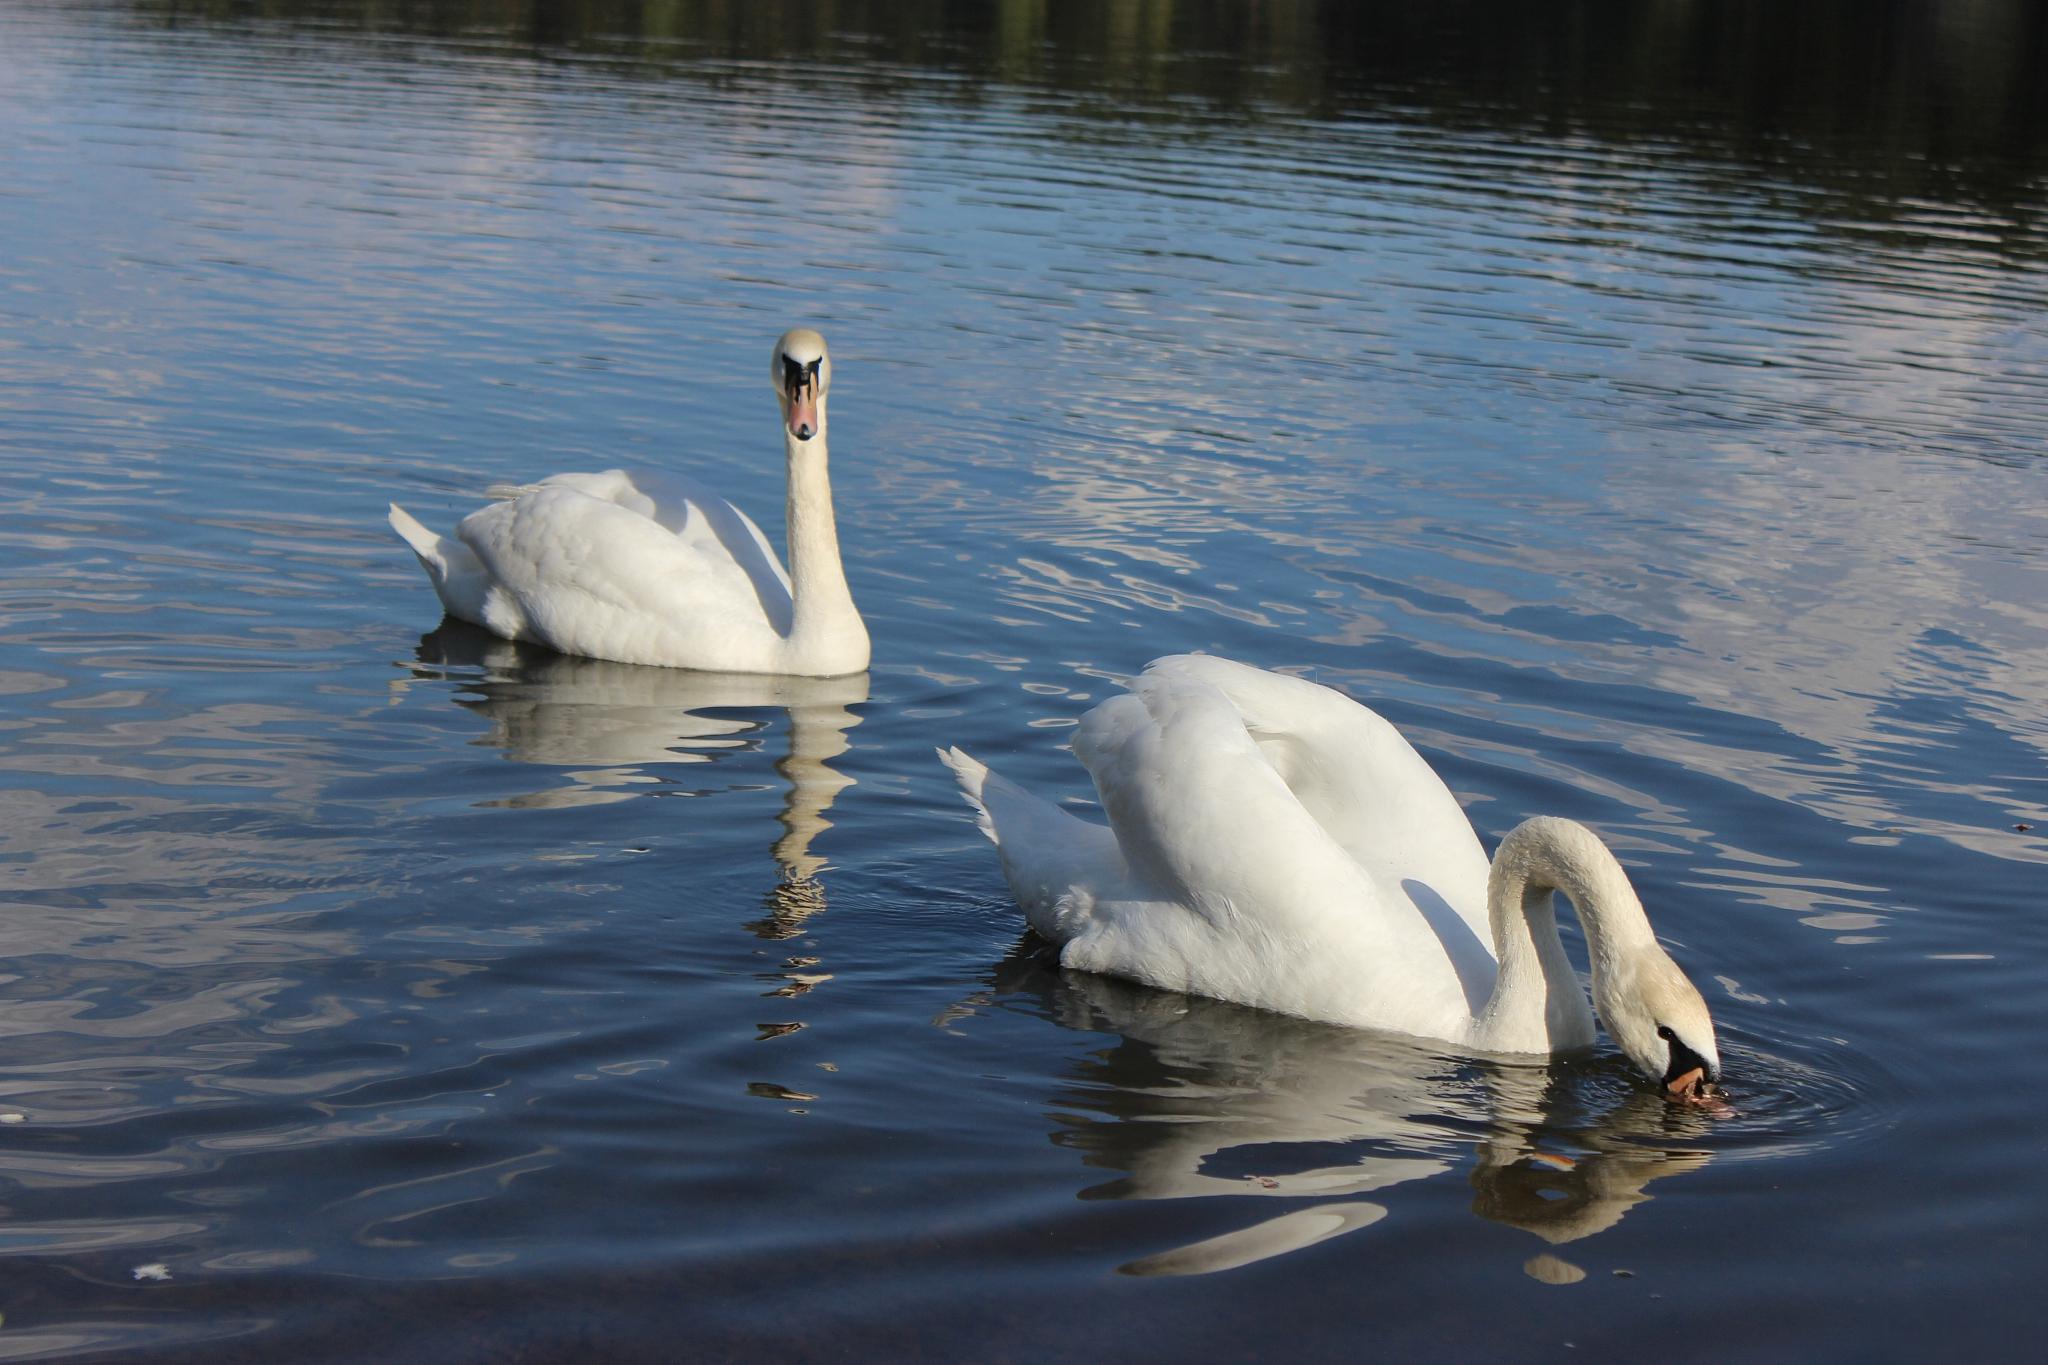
(1354, 772)
(1264, 900)
(1290, 748)
(1363, 784)
(641, 568)
(1184, 785)
(687, 509)
(1232, 865)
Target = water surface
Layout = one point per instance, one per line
(1642, 407)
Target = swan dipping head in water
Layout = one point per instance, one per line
(1274, 843)
(1652, 1011)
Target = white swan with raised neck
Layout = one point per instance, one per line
(654, 568)
(1274, 843)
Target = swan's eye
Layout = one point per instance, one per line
(797, 376)
(1664, 1032)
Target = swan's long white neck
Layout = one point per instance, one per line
(826, 634)
(1537, 1003)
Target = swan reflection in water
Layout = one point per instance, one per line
(1205, 1098)
(605, 725)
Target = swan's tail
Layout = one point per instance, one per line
(1022, 824)
(457, 574)
(1004, 811)
(1057, 866)
(972, 775)
(424, 543)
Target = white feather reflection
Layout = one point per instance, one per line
(1204, 1099)
(611, 728)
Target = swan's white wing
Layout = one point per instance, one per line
(1358, 777)
(1262, 903)
(1200, 814)
(1355, 774)
(582, 564)
(691, 512)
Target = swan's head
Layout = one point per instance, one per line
(802, 372)
(1649, 1007)
(1658, 1018)
(1647, 1004)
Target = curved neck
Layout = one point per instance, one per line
(1537, 1003)
(823, 620)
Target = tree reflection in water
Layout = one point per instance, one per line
(1786, 89)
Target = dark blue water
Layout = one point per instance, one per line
(1643, 408)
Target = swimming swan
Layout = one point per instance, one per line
(648, 568)
(1272, 842)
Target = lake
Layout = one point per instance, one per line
(1641, 406)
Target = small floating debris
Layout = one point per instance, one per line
(155, 1270)
(13, 1118)
(2023, 828)
(775, 1031)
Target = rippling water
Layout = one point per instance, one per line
(1655, 437)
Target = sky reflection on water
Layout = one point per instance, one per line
(1650, 434)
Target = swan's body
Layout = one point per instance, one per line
(655, 568)
(1273, 843)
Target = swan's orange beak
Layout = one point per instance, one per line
(1687, 1085)
(803, 412)
(1690, 1077)
(803, 387)
(1693, 1089)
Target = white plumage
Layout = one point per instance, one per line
(1273, 843)
(655, 568)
